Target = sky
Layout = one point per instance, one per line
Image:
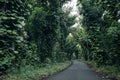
(71, 4)
(74, 11)
(74, 6)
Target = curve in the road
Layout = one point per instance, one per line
(78, 71)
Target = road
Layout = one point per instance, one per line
(77, 71)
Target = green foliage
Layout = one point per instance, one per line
(100, 20)
(30, 72)
(111, 72)
(66, 22)
(91, 13)
(75, 43)
(42, 29)
(13, 44)
(22, 44)
(48, 28)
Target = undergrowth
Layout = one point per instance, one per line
(111, 72)
(35, 72)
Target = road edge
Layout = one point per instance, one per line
(45, 78)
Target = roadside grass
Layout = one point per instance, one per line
(36, 73)
(109, 72)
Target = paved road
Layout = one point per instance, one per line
(78, 71)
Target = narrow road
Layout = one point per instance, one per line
(78, 71)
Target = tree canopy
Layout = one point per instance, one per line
(37, 32)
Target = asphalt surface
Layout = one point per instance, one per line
(77, 71)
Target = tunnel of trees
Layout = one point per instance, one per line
(33, 32)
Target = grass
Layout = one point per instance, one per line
(111, 72)
(36, 73)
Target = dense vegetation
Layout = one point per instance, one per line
(32, 32)
(37, 32)
(100, 21)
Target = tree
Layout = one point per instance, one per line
(100, 19)
(13, 44)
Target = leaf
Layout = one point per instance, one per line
(13, 18)
(16, 52)
(6, 1)
(22, 23)
(18, 25)
(4, 18)
(13, 57)
(1, 52)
